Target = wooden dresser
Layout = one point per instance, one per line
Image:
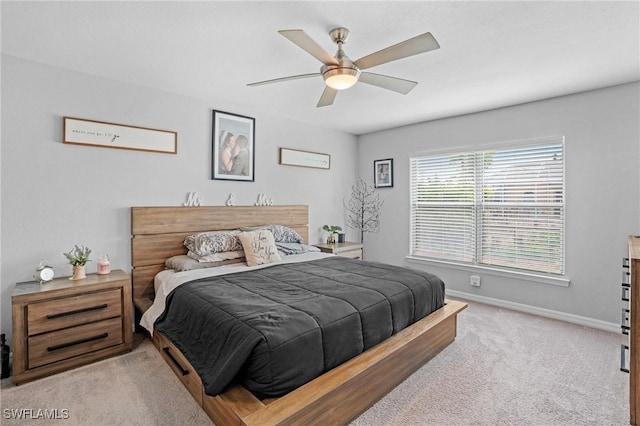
(634, 329)
(63, 324)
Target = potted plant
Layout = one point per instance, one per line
(78, 257)
(332, 230)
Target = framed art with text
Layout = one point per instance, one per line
(80, 131)
(383, 173)
(296, 157)
(233, 147)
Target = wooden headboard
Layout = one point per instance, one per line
(157, 233)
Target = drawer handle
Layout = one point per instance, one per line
(623, 349)
(77, 311)
(175, 361)
(624, 321)
(77, 342)
(625, 294)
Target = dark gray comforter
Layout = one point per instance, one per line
(276, 328)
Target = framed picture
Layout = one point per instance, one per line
(296, 157)
(233, 143)
(383, 173)
(111, 135)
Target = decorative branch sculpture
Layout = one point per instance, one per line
(363, 208)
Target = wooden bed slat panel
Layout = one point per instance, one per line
(163, 220)
(142, 277)
(155, 249)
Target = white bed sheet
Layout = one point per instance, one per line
(166, 281)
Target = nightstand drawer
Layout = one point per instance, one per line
(67, 312)
(346, 249)
(63, 344)
(353, 254)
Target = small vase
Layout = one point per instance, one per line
(78, 272)
(331, 239)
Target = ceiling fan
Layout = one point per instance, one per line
(339, 72)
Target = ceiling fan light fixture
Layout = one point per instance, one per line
(339, 72)
(341, 78)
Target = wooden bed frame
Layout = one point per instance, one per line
(337, 396)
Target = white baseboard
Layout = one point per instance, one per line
(547, 313)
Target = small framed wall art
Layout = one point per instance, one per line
(296, 157)
(100, 133)
(383, 173)
(233, 147)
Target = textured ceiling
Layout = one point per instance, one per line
(492, 54)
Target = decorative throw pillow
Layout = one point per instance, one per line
(211, 242)
(281, 233)
(284, 234)
(259, 247)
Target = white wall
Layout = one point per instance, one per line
(55, 195)
(602, 149)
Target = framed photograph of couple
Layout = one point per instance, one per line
(233, 147)
(383, 173)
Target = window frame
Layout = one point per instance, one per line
(476, 265)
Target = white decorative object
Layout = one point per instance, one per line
(104, 265)
(193, 200)
(263, 200)
(44, 272)
(230, 201)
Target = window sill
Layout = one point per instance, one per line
(527, 276)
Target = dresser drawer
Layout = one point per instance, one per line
(70, 342)
(67, 312)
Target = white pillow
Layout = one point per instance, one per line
(259, 247)
(182, 263)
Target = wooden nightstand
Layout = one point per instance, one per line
(64, 324)
(352, 250)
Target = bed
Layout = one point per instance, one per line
(336, 396)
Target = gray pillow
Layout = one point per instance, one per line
(281, 233)
(211, 242)
(294, 248)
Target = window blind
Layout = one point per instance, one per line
(502, 207)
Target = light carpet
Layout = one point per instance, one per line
(504, 368)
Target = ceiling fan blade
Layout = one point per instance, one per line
(328, 95)
(302, 40)
(414, 46)
(387, 82)
(278, 80)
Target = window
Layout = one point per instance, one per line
(502, 207)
